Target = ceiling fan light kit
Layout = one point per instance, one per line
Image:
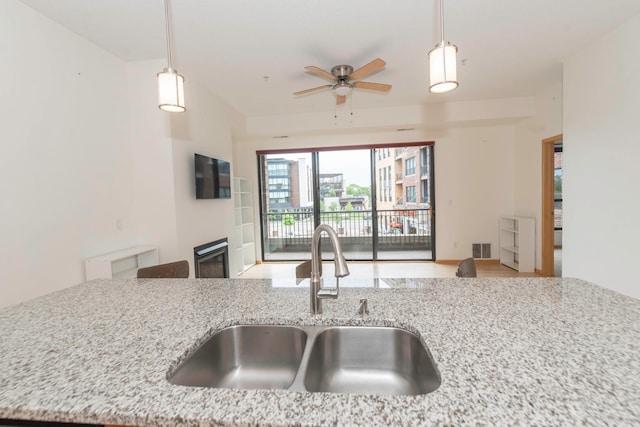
(170, 83)
(443, 75)
(342, 88)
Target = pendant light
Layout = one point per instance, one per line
(170, 83)
(442, 62)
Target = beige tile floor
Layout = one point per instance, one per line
(368, 269)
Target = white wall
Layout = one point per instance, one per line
(65, 165)
(152, 147)
(204, 128)
(601, 156)
(89, 164)
(163, 144)
(547, 122)
(167, 213)
(474, 187)
(422, 116)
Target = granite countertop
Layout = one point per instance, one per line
(510, 351)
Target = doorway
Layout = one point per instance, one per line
(552, 151)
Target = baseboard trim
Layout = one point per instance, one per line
(477, 260)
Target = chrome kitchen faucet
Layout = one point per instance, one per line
(317, 292)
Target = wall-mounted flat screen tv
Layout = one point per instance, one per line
(213, 178)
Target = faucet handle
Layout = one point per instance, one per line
(329, 293)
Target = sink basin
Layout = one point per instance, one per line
(334, 359)
(245, 357)
(370, 360)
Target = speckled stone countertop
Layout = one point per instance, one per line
(524, 351)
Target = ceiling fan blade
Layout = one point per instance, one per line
(313, 89)
(381, 87)
(341, 99)
(367, 69)
(320, 73)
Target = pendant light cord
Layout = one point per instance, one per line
(168, 31)
(442, 20)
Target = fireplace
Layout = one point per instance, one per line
(211, 260)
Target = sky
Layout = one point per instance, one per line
(355, 165)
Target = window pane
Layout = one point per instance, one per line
(403, 219)
(345, 200)
(287, 198)
(410, 168)
(411, 194)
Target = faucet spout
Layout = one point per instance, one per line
(318, 293)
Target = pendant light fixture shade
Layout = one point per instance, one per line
(442, 68)
(170, 83)
(171, 91)
(443, 76)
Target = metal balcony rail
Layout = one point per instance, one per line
(396, 228)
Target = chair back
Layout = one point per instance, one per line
(171, 270)
(467, 268)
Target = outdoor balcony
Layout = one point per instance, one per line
(398, 230)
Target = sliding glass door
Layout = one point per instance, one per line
(345, 199)
(287, 212)
(404, 203)
(378, 199)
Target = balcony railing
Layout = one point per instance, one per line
(406, 229)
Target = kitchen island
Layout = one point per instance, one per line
(510, 351)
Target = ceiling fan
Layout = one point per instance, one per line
(343, 79)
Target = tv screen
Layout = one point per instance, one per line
(213, 178)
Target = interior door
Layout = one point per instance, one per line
(548, 204)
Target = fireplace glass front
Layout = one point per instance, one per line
(211, 260)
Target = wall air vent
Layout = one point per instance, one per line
(481, 250)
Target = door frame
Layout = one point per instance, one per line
(548, 198)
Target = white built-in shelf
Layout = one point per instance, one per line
(243, 215)
(517, 243)
(122, 264)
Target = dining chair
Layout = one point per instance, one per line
(467, 268)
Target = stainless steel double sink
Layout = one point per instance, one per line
(337, 359)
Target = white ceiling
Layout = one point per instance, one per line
(507, 48)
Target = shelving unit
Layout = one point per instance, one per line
(122, 264)
(246, 247)
(517, 243)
